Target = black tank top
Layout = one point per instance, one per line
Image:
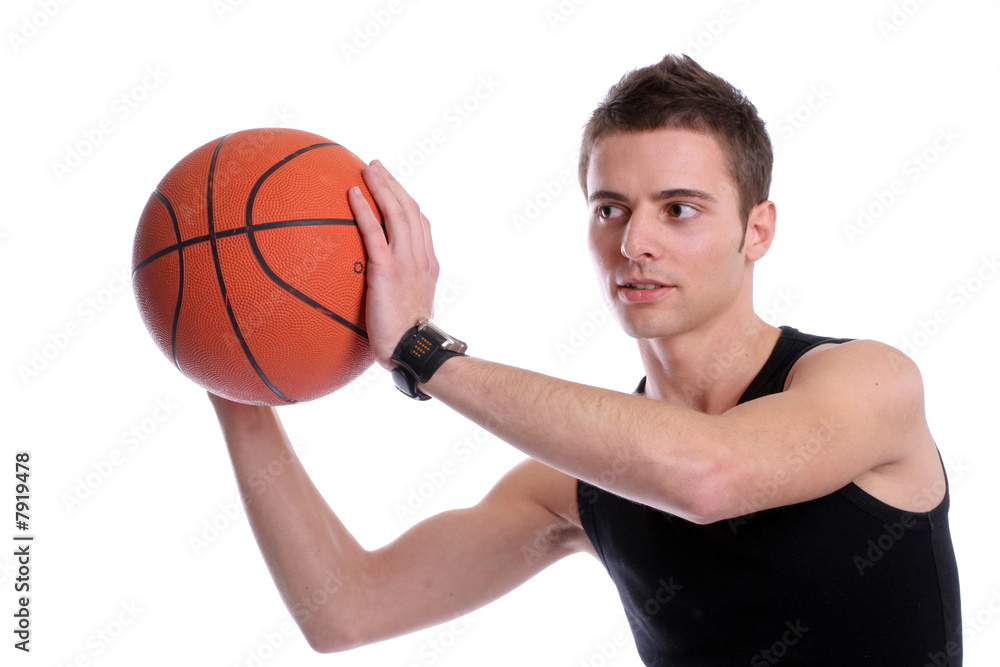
(840, 580)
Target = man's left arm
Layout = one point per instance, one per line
(847, 410)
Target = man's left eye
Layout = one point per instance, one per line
(681, 210)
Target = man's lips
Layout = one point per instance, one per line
(642, 291)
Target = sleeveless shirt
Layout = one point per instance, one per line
(844, 579)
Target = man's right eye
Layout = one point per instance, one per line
(607, 211)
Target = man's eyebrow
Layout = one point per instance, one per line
(673, 193)
(688, 193)
(606, 194)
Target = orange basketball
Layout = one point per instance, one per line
(249, 269)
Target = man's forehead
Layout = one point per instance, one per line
(661, 159)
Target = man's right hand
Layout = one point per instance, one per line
(402, 269)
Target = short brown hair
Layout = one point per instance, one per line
(678, 93)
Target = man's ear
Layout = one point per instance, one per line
(760, 230)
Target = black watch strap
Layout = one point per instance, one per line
(419, 354)
(406, 382)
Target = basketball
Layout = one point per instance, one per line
(249, 270)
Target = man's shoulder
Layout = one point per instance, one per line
(857, 362)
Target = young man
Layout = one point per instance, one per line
(793, 507)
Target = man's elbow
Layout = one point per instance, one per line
(331, 627)
(710, 504)
(331, 636)
(709, 495)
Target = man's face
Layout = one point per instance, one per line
(665, 231)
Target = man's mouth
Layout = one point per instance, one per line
(642, 292)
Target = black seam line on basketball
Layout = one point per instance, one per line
(226, 233)
(213, 242)
(180, 275)
(251, 229)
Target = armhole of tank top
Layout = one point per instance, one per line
(808, 348)
(587, 519)
(891, 514)
(774, 373)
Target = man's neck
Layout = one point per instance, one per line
(707, 370)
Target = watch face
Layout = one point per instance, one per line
(422, 345)
(432, 329)
(444, 340)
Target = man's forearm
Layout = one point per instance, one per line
(620, 442)
(309, 552)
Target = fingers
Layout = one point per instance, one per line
(406, 227)
(402, 270)
(394, 210)
(429, 244)
(369, 226)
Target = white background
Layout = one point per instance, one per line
(851, 91)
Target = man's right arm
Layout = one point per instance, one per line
(342, 595)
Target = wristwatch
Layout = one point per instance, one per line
(419, 354)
